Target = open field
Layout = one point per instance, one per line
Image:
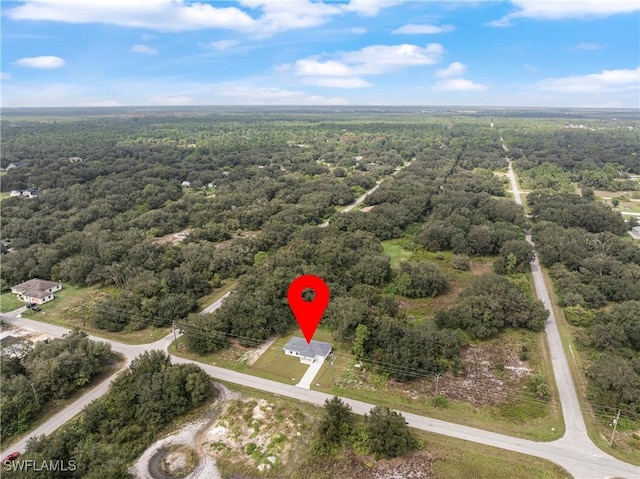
(68, 310)
(419, 309)
(488, 397)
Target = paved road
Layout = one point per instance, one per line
(577, 457)
(574, 451)
(215, 305)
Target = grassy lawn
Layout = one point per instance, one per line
(67, 310)
(275, 365)
(4, 194)
(394, 249)
(216, 294)
(9, 302)
(625, 449)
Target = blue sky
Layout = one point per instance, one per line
(295, 52)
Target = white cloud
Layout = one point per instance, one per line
(221, 44)
(358, 30)
(369, 8)
(458, 84)
(530, 68)
(456, 69)
(145, 49)
(423, 29)
(312, 67)
(561, 9)
(348, 68)
(100, 103)
(247, 95)
(258, 17)
(587, 46)
(5, 76)
(378, 59)
(44, 62)
(170, 100)
(163, 15)
(607, 81)
(332, 82)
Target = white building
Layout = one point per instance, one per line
(36, 290)
(307, 351)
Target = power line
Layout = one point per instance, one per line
(381, 366)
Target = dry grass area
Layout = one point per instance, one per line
(173, 238)
(491, 374)
(349, 465)
(256, 436)
(492, 393)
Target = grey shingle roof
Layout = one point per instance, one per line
(311, 350)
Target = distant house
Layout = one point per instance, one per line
(307, 351)
(186, 184)
(36, 290)
(635, 232)
(30, 193)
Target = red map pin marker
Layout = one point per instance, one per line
(308, 313)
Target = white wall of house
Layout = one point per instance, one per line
(29, 299)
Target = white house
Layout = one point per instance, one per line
(307, 351)
(186, 184)
(635, 232)
(30, 193)
(36, 290)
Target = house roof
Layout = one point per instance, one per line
(34, 285)
(34, 293)
(310, 350)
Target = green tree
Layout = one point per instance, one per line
(388, 433)
(362, 334)
(335, 426)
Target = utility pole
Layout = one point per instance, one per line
(615, 426)
(437, 382)
(35, 393)
(175, 338)
(333, 360)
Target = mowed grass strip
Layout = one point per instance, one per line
(455, 458)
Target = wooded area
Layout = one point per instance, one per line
(249, 189)
(112, 431)
(36, 375)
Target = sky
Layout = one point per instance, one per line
(575, 53)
